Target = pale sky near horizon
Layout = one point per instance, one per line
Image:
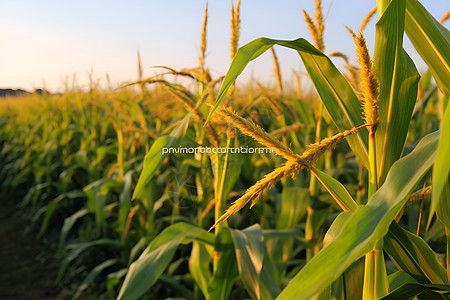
(51, 40)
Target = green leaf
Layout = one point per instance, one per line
(114, 278)
(154, 158)
(336, 190)
(413, 255)
(125, 200)
(353, 280)
(250, 255)
(336, 227)
(432, 42)
(401, 282)
(366, 225)
(398, 79)
(441, 170)
(411, 290)
(291, 208)
(93, 274)
(75, 250)
(199, 261)
(334, 90)
(443, 213)
(228, 173)
(53, 205)
(97, 193)
(144, 272)
(294, 201)
(173, 284)
(225, 275)
(226, 170)
(68, 224)
(349, 286)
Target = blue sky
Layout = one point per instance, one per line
(52, 40)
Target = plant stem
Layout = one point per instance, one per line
(373, 186)
(310, 224)
(375, 276)
(327, 156)
(221, 203)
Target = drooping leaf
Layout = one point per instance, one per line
(75, 250)
(413, 255)
(411, 290)
(366, 225)
(403, 286)
(334, 90)
(144, 272)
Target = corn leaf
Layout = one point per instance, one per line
(124, 200)
(144, 272)
(432, 42)
(336, 190)
(400, 282)
(411, 290)
(334, 90)
(294, 201)
(412, 254)
(441, 170)
(443, 213)
(68, 224)
(226, 273)
(226, 170)
(53, 205)
(199, 266)
(349, 285)
(93, 274)
(291, 208)
(154, 158)
(250, 256)
(366, 225)
(176, 287)
(97, 196)
(336, 227)
(74, 251)
(398, 79)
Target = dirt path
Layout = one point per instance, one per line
(27, 269)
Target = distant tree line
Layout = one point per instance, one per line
(21, 92)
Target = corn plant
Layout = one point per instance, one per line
(132, 220)
(377, 138)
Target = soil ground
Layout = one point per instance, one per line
(28, 267)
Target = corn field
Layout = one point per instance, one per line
(204, 190)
